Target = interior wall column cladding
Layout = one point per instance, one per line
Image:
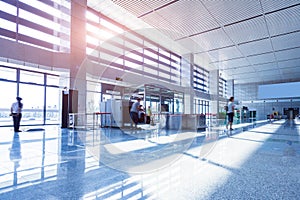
(78, 46)
(214, 90)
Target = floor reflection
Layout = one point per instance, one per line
(15, 155)
(83, 164)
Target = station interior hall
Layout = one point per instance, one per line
(117, 100)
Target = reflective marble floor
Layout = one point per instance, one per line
(254, 163)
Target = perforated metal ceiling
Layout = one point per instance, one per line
(250, 40)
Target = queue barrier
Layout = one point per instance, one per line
(87, 121)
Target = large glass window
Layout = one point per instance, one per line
(222, 87)
(31, 77)
(5, 7)
(52, 105)
(30, 85)
(201, 106)
(140, 54)
(52, 80)
(8, 91)
(201, 77)
(8, 74)
(44, 24)
(33, 100)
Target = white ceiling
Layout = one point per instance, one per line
(249, 40)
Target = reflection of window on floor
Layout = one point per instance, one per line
(24, 173)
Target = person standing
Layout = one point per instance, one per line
(16, 113)
(134, 112)
(148, 114)
(230, 113)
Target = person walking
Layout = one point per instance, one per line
(230, 113)
(16, 113)
(134, 112)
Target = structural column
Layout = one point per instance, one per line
(230, 84)
(214, 91)
(188, 82)
(78, 51)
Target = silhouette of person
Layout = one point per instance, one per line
(16, 113)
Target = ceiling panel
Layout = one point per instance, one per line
(288, 54)
(208, 40)
(272, 78)
(241, 70)
(290, 70)
(247, 30)
(186, 15)
(263, 58)
(192, 45)
(265, 67)
(244, 38)
(256, 47)
(229, 11)
(245, 75)
(156, 4)
(289, 63)
(136, 8)
(248, 80)
(234, 63)
(269, 72)
(284, 21)
(291, 40)
(171, 30)
(294, 76)
(272, 5)
(225, 53)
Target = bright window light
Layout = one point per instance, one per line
(8, 25)
(66, 4)
(128, 146)
(89, 51)
(92, 28)
(111, 26)
(43, 7)
(92, 40)
(39, 35)
(8, 8)
(106, 35)
(91, 16)
(132, 65)
(39, 20)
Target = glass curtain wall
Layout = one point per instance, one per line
(201, 106)
(222, 87)
(201, 79)
(43, 24)
(127, 50)
(39, 91)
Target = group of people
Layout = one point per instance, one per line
(137, 113)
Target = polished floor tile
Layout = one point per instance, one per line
(261, 162)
